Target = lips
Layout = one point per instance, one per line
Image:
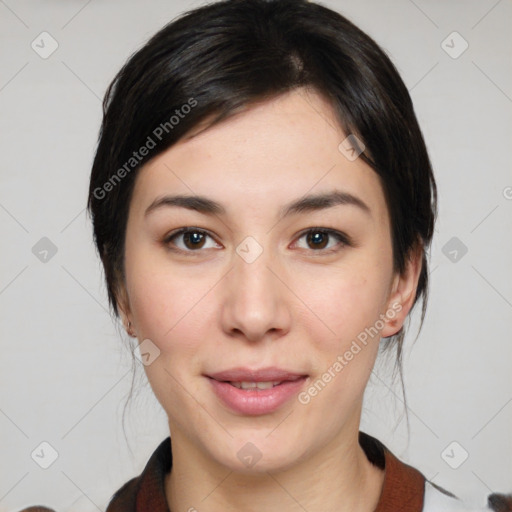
(255, 392)
(255, 385)
(245, 375)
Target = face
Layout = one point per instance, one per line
(304, 292)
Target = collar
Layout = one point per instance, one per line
(403, 488)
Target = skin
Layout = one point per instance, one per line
(296, 307)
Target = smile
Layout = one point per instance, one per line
(256, 396)
(255, 385)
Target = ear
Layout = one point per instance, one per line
(403, 293)
(123, 307)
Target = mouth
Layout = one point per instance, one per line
(252, 392)
(249, 386)
(270, 375)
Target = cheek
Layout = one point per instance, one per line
(171, 314)
(166, 309)
(347, 300)
(345, 352)
(162, 295)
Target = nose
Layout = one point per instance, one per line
(256, 301)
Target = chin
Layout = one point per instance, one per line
(257, 453)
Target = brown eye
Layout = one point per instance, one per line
(191, 239)
(318, 239)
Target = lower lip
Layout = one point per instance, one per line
(252, 403)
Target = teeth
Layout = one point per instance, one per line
(255, 385)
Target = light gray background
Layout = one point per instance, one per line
(64, 371)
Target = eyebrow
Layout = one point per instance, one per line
(313, 202)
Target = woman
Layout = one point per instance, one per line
(263, 203)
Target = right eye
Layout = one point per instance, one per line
(192, 239)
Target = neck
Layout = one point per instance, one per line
(338, 478)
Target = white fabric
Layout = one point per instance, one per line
(437, 501)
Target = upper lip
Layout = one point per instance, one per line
(271, 374)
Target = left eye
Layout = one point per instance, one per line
(317, 239)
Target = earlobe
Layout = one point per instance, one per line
(403, 293)
(124, 310)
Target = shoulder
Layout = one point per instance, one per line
(123, 500)
(438, 499)
(146, 491)
(405, 485)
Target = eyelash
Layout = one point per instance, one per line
(343, 239)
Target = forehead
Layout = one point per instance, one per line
(262, 158)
